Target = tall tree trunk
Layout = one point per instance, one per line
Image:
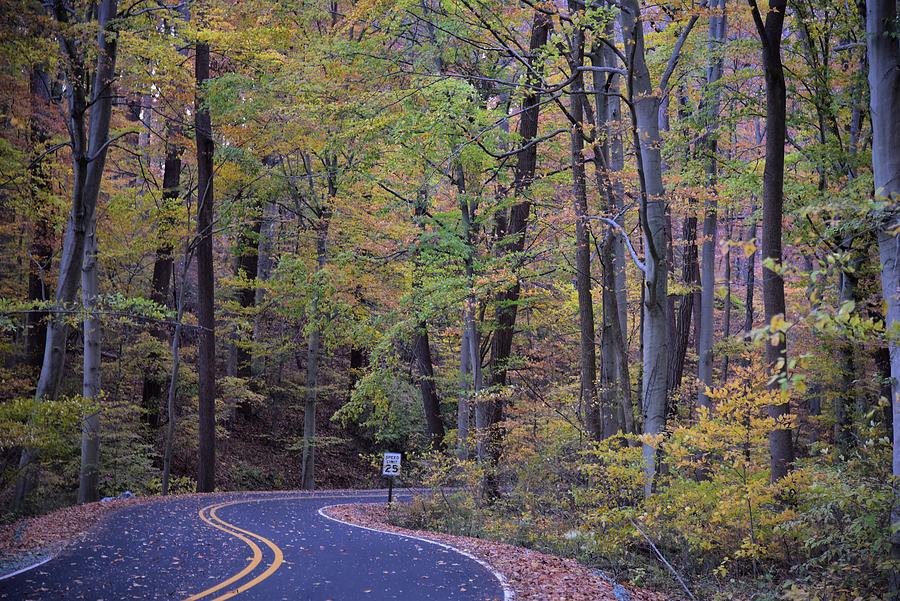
(431, 402)
(781, 446)
(90, 432)
(726, 319)
(612, 413)
(421, 348)
(463, 410)
(206, 319)
(645, 104)
(162, 270)
(511, 232)
(620, 328)
(171, 409)
(749, 272)
(88, 148)
(248, 267)
(685, 313)
(470, 342)
(264, 271)
(884, 86)
(718, 24)
(593, 416)
(314, 338)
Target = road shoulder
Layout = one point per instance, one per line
(30, 542)
(532, 576)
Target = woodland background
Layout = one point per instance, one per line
(618, 278)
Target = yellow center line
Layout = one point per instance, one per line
(216, 522)
(254, 561)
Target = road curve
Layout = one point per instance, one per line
(252, 546)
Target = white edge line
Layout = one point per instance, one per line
(25, 569)
(508, 593)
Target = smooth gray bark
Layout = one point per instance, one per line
(88, 120)
(884, 86)
(463, 414)
(645, 103)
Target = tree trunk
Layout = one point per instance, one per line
(726, 319)
(593, 416)
(172, 414)
(90, 432)
(656, 336)
(685, 314)
(462, 409)
(608, 389)
(781, 447)
(718, 24)
(884, 86)
(431, 402)
(264, 271)
(470, 342)
(511, 231)
(620, 328)
(749, 273)
(206, 320)
(162, 271)
(248, 267)
(314, 339)
(88, 161)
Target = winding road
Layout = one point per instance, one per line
(263, 546)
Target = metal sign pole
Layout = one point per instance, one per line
(390, 490)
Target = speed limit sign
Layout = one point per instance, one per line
(391, 465)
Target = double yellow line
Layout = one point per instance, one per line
(208, 515)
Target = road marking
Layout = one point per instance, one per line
(508, 593)
(254, 561)
(216, 522)
(276, 563)
(25, 569)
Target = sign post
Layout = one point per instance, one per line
(390, 469)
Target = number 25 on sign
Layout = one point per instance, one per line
(391, 465)
(390, 468)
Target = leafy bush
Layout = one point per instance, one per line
(820, 533)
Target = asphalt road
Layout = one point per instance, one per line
(251, 546)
